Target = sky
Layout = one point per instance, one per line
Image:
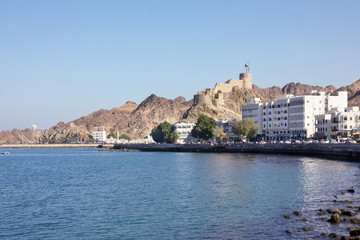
(63, 59)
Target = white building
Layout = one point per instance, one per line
(292, 117)
(338, 121)
(99, 134)
(227, 126)
(184, 131)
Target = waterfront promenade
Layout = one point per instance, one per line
(334, 151)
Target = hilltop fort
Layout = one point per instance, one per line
(216, 96)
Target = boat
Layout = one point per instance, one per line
(6, 153)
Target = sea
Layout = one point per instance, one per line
(92, 194)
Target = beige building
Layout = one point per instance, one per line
(215, 96)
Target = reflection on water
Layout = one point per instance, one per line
(91, 194)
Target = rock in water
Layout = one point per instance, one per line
(306, 229)
(335, 218)
(297, 213)
(355, 233)
(333, 235)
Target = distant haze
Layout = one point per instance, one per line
(60, 60)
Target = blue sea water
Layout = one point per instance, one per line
(91, 194)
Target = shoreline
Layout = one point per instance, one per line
(333, 151)
(62, 145)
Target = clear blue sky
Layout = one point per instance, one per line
(60, 60)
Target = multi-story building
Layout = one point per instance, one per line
(99, 134)
(292, 117)
(184, 131)
(338, 121)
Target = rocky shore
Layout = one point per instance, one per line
(342, 220)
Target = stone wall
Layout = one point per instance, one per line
(215, 96)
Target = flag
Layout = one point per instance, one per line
(246, 65)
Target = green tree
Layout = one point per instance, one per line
(204, 128)
(90, 139)
(246, 128)
(173, 137)
(217, 132)
(124, 136)
(164, 133)
(111, 135)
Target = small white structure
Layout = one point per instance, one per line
(99, 134)
(184, 131)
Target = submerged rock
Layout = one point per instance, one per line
(350, 238)
(355, 220)
(353, 229)
(351, 190)
(333, 235)
(287, 216)
(348, 213)
(301, 219)
(355, 233)
(297, 213)
(306, 229)
(337, 212)
(330, 210)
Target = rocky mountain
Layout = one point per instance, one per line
(231, 109)
(131, 119)
(354, 93)
(20, 136)
(137, 120)
(271, 93)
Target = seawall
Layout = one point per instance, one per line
(334, 151)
